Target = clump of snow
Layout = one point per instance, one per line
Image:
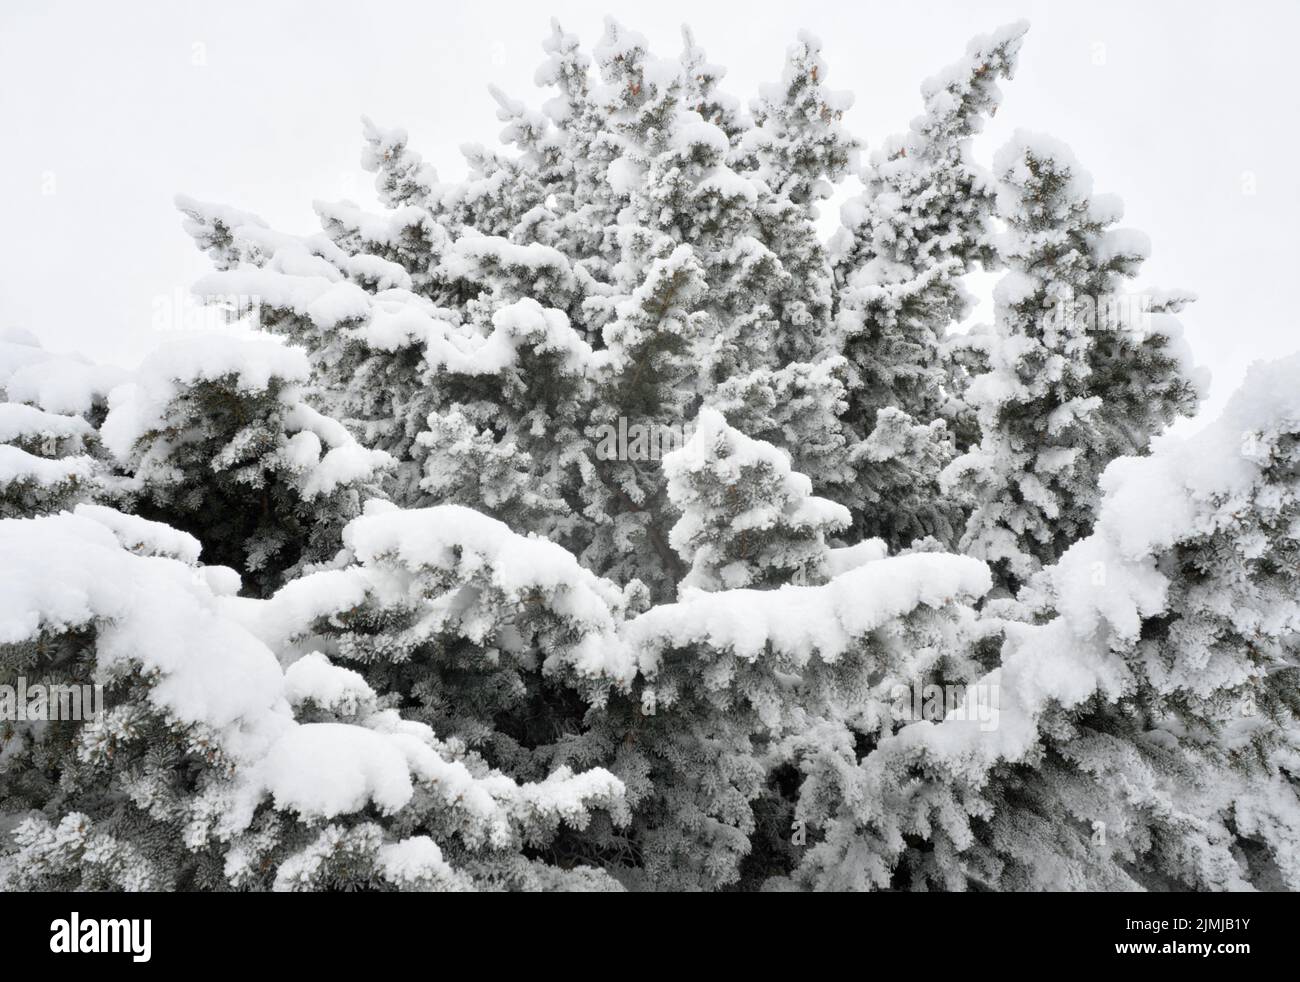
(414, 861)
(18, 422)
(63, 385)
(325, 302)
(332, 687)
(143, 537)
(803, 622)
(380, 272)
(845, 558)
(20, 467)
(524, 323)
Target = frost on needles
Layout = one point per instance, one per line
(374, 604)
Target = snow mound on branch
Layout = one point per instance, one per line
(471, 255)
(416, 860)
(19, 422)
(19, 467)
(143, 537)
(460, 539)
(378, 231)
(1150, 500)
(800, 622)
(842, 559)
(64, 385)
(332, 687)
(384, 274)
(393, 545)
(70, 571)
(523, 324)
(326, 302)
(446, 534)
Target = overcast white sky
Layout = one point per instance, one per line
(1187, 110)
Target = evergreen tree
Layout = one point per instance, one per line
(587, 523)
(921, 223)
(747, 519)
(1079, 371)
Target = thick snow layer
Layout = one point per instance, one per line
(1151, 500)
(396, 323)
(143, 537)
(63, 385)
(385, 275)
(252, 359)
(803, 622)
(321, 770)
(70, 571)
(387, 230)
(346, 462)
(333, 687)
(525, 323)
(845, 558)
(451, 537)
(432, 537)
(390, 543)
(19, 467)
(18, 422)
(299, 604)
(325, 302)
(475, 257)
(414, 861)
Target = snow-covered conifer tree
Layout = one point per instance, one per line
(587, 522)
(747, 519)
(1080, 371)
(921, 223)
